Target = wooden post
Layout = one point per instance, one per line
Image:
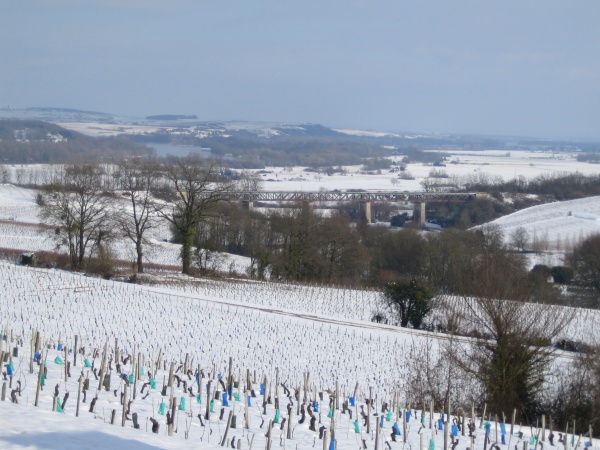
(224, 441)
(446, 423)
(544, 427)
(403, 425)
(158, 361)
(3, 396)
(337, 395)
(229, 385)
(369, 410)
(113, 416)
(124, 411)
(102, 366)
(75, 350)
(171, 368)
(79, 395)
(289, 425)
(566, 440)
(39, 383)
(207, 414)
(269, 432)
(116, 355)
(246, 415)
(482, 416)
(66, 362)
(326, 440)
(276, 383)
(431, 415)
(512, 422)
(496, 428)
(173, 409)
(31, 347)
(377, 432)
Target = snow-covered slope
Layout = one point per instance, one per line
(560, 224)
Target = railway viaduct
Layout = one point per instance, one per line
(366, 198)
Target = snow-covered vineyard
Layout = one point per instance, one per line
(157, 330)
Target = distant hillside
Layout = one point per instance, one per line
(37, 142)
(555, 225)
(171, 117)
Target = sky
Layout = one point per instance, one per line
(510, 67)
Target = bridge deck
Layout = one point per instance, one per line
(291, 196)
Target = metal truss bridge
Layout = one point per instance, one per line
(364, 196)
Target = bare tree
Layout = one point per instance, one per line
(250, 182)
(136, 181)
(519, 238)
(512, 346)
(79, 209)
(199, 187)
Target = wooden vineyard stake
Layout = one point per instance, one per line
(102, 366)
(3, 396)
(75, 350)
(543, 427)
(276, 382)
(199, 379)
(39, 383)
(116, 355)
(158, 361)
(229, 385)
(269, 433)
(170, 381)
(482, 416)
(512, 422)
(403, 426)
(173, 408)
(246, 415)
(66, 363)
(369, 405)
(124, 411)
(79, 395)
(445, 433)
(289, 425)
(431, 415)
(32, 346)
(224, 441)
(377, 432)
(207, 413)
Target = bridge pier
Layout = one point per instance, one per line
(366, 211)
(248, 205)
(419, 213)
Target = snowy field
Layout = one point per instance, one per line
(261, 326)
(159, 328)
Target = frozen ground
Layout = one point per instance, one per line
(157, 327)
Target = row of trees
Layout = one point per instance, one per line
(86, 216)
(289, 244)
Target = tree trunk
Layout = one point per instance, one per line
(140, 263)
(186, 250)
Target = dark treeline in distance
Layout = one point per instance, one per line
(37, 142)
